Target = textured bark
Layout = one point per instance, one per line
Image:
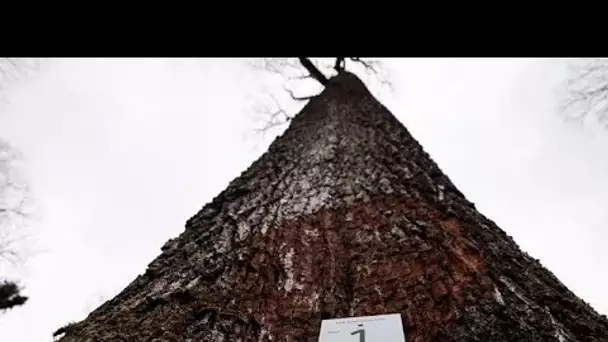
(344, 215)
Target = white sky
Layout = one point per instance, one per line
(120, 153)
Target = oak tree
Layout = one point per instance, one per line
(344, 215)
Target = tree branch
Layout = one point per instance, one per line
(314, 72)
(296, 98)
(13, 205)
(367, 65)
(276, 118)
(12, 62)
(301, 77)
(303, 68)
(375, 69)
(340, 64)
(586, 91)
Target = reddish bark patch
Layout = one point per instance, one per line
(390, 255)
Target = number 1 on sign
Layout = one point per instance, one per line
(361, 333)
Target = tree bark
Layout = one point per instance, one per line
(344, 215)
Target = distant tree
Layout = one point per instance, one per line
(14, 199)
(14, 191)
(585, 95)
(10, 296)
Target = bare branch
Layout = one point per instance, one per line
(314, 72)
(13, 191)
(303, 68)
(277, 66)
(274, 122)
(12, 62)
(13, 205)
(586, 91)
(340, 64)
(376, 70)
(14, 69)
(296, 98)
(275, 117)
(367, 65)
(301, 77)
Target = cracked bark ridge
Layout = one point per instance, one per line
(344, 215)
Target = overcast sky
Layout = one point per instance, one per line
(120, 153)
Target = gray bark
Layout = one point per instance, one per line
(344, 215)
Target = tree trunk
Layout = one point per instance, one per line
(344, 215)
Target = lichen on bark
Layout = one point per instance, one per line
(344, 215)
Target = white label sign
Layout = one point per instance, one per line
(381, 328)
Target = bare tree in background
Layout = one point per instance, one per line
(313, 74)
(15, 69)
(14, 192)
(586, 91)
(14, 213)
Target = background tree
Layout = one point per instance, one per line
(14, 195)
(585, 92)
(15, 203)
